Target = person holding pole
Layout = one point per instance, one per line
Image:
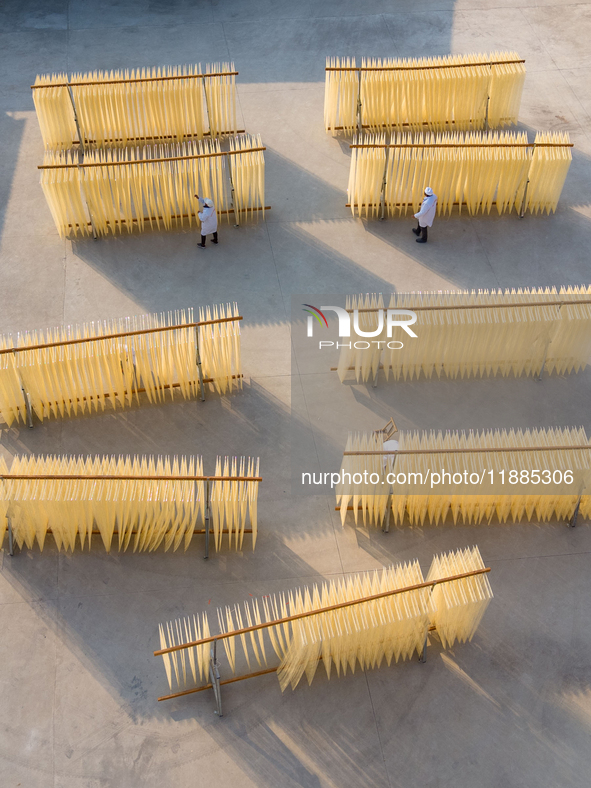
(425, 216)
(208, 219)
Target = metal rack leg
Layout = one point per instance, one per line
(29, 409)
(214, 676)
(573, 520)
(206, 556)
(386, 528)
(423, 657)
(374, 385)
(10, 539)
(199, 367)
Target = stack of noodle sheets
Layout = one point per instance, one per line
(478, 170)
(112, 194)
(366, 633)
(139, 106)
(456, 92)
(143, 514)
(69, 379)
(514, 506)
(459, 342)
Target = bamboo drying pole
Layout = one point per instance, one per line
(123, 162)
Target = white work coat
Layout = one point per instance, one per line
(427, 212)
(209, 220)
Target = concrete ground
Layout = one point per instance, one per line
(79, 683)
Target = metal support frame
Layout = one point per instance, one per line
(81, 161)
(573, 520)
(359, 107)
(233, 197)
(386, 526)
(199, 368)
(10, 539)
(28, 407)
(207, 519)
(423, 656)
(214, 676)
(374, 385)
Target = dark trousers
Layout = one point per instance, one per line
(215, 239)
(423, 231)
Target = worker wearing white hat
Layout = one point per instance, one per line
(208, 219)
(425, 216)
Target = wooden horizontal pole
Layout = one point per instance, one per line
(467, 145)
(197, 531)
(318, 611)
(126, 162)
(125, 477)
(226, 681)
(492, 449)
(399, 204)
(419, 123)
(515, 304)
(423, 68)
(139, 79)
(158, 329)
(178, 138)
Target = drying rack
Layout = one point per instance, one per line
(390, 429)
(130, 477)
(440, 67)
(81, 165)
(82, 141)
(214, 673)
(451, 307)
(157, 330)
(387, 146)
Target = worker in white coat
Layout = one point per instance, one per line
(425, 216)
(208, 219)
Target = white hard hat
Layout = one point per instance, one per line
(428, 191)
(209, 202)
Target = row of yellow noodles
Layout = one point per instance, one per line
(455, 92)
(542, 496)
(140, 513)
(393, 627)
(172, 103)
(519, 331)
(474, 169)
(118, 189)
(68, 379)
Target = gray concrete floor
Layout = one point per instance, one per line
(79, 682)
